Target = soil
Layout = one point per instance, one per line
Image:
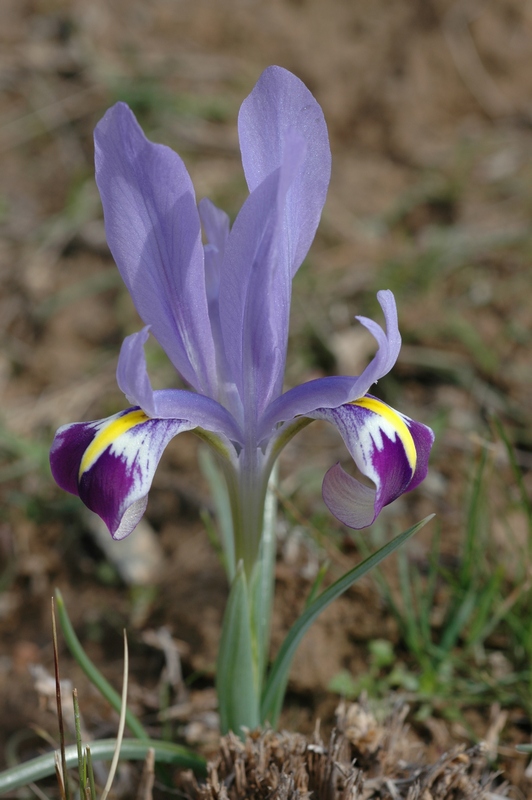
(429, 113)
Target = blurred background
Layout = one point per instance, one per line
(429, 108)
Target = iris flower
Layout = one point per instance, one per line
(220, 311)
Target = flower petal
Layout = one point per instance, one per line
(255, 286)
(202, 411)
(278, 105)
(153, 231)
(216, 226)
(337, 390)
(389, 448)
(110, 463)
(132, 374)
(347, 499)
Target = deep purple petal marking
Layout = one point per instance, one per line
(114, 480)
(387, 447)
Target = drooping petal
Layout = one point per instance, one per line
(255, 286)
(352, 502)
(202, 411)
(110, 463)
(153, 231)
(278, 105)
(337, 390)
(389, 448)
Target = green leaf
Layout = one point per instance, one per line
(262, 584)
(236, 678)
(275, 687)
(222, 504)
(102, 750)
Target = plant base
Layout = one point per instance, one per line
(363, 760)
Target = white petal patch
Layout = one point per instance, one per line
(387, 421)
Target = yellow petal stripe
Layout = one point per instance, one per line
(109, 434)
(396, 421)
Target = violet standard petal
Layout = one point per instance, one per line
(153, 231)
(278, 105)
(201, 411)
(255, 287)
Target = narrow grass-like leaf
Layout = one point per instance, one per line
(90, 773)
(217, 485)
(94, 675)
(236, 678)
(278, 677)
(427, 594)
(66, 786)
(121, 725)
(262, 584)
(526, 500)
(316, 586)
(409, 612)
(457, 622)
(77, 722)
(102, 750)
(470, 557)
(487, 600)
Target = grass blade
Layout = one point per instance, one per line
(77, 722)
(102, 750)
(278, 678)
(121, 725)
(65, 784)
(90, 773)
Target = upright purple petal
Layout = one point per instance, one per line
(278, 105)
(255, 287)
(132, 374)
(338, 390)
(201, 411)
(153, 231)
(388, 448)
(216, 226)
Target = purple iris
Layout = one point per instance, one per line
(220, 311)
